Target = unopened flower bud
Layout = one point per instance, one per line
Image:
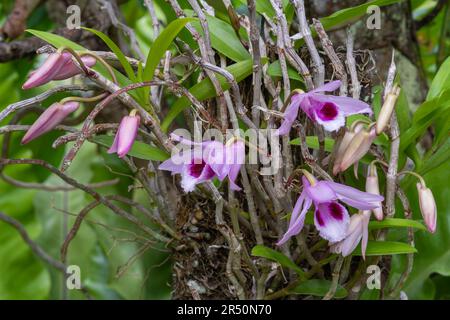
(49, 119)
(387, 109)
(372, 186)
(345, 142)
(125, 136)
(357, 148)
(427, 206)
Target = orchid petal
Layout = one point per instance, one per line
(297, 218)
(328, 87)
(347, 105)
(355, 198)
(320, 192)
(290, 115)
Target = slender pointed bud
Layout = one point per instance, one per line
(49, 119)
(427, 206)
(47, 71)
(372, 186)
(386, 110)
(357, 148)
(70, 68)
(125, 136)
(345, 142)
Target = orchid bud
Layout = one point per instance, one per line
(357, 148)
(427, 206)
(70, 68)
(48, 70)
(372, 186)
(125, 136)
(345, 142)
(387, 109)
(49, 119)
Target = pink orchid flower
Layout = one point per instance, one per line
(327, 110)
(49, 119)
(125, 135)
(330, 217)
(357, 232)
(207, 159)
(58, 66)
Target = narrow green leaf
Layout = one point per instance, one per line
(318, 288)
(382, 248)
(274, 70)
(424, 116)
(348, 15)
(268, 253)
(204, 90)
(224, 39)
(433, 161)
(119, 54)
(395, 222)
(441, 81)
(313, 142)
(161, 44)
(139, 150)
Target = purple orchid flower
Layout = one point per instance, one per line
(125, 135)
(330, 217)
(357, 232)
(207, 159)
(49, 119)
(327, 110)
(58, 66)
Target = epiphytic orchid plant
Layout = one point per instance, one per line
(259, 99)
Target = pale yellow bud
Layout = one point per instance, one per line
(372, 186)
(386, 110)
(357, 148)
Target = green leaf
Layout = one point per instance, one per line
(56, 40)
(160, 46)
(318, 288)
(382, 248)
(274, 70)
(268, 253)
(224, 39)
(348, 15)
(119, 54)
(442, 155)
(441, 81)
(313, 142)
(424, 116)
(139, 150)
(265, 7)
(396, 222)
(204, 90)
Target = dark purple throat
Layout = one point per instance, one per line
(328, 111)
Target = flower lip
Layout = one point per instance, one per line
(328, 111)
(331, 219)
(196, 169)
